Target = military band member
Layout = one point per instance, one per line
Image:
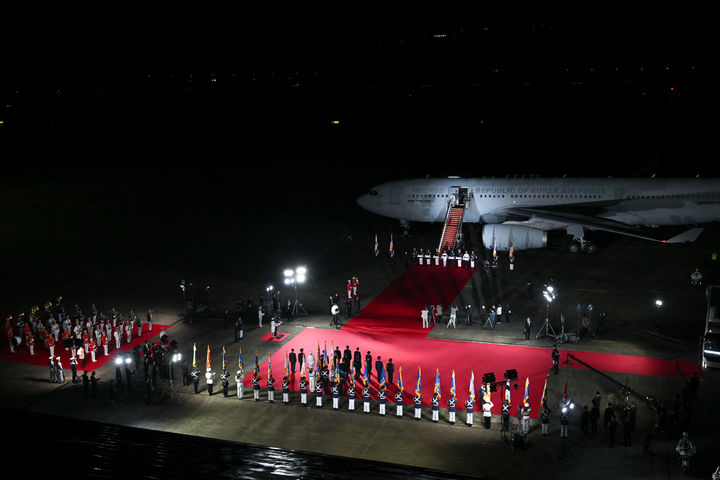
(67, 341)
(239, 384)
(271, 389)
(195, 374)
(435, 401)
(128, 331)
(225, 381)
(382, 394)
(286, 390)
(256, 386)
(399, 404)
(104, 341)
(427, 257)
(469, 409)
(31, 345)
(451, 409)
(116, 334)
(466, 259)
(418, 406)
(303, 389)
(366, 398)
(81, 356)
(92, 346)
(318, 394)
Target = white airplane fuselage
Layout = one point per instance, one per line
(628, 201)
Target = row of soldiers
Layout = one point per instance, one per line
(447, 258)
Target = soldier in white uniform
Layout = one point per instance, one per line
(487, 415)
(453, 316)
(303, 389)
(399, 404)
(260, 315)
(239, 384)
(525, 412)
(209, 374)
(444, 257)
(128, 331)
(424, 316)
(116, 334)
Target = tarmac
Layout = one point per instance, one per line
(623, 279)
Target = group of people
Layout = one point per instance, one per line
(489, 316)
(448, 258)
(80, 334)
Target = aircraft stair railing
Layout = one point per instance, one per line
(445, 225)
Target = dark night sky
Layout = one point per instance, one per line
(473, 95)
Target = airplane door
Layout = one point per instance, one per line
(395, 195)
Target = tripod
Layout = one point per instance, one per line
(548, 329)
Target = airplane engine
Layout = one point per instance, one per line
(522, 237)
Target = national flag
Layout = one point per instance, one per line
(376, 246)
(526, 398)
(437, 382)
(207, 361)
(543, 399)
(564, 392)
(241, 365)
(400, 382)
(337, 373)
(194, 355)
(511, 252)
(269, 367)
(507, 391)
(452, 385)
(417, 384)
(257, 365)
(287, 369)
(224, 366)
(382, 381)
(392, 249)
(494, 248)
(352, 373)
(472, 386)
(365, 376)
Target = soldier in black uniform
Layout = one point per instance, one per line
(378, 367)
(303, 389)
(366, 398)
(286, 390)
(595, 413)
(357, 362)
(435, 402)
(351, 394)
(292, 358)
(506, 416)
(368, 362)
(556, 359)
(225, 382)
(390, 369)
(585, 420)
(256, 383)
(195, 378)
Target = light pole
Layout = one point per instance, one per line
(658, 304)
(293, 277)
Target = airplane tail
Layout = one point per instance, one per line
(687, 236)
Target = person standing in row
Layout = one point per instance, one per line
(382, 394)
(209, 375)
(351, 394)
(286, 390)
(225, 382)
(195, 379)
(318, 394)
(239, 384)
(303, 389)
(544, 420)
(487, 415)
(256, 386)
(366, 397)
(469, 403)
(271, 388)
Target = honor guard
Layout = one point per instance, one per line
(564, 422)
(104, 341)
(420, 257)
(318, 394)
(239, 384)
(209, 374)
(506, 416)
(435, 401)
(525, 412)
(225, 382)
(366, 398)
(303, 389)
(31, 345)
(286, 390)
(399, 404)
(195, 374)
(473, 259)
(469, 410)
(458, 258)
(436, 258)
(335, 389)
(444, 258)
(452, 401)
(487, 414)
(59, 373)
(466, 259)
(92, 346)
(355, 283)
(53, 374)
(427, 257)
(271, 389)
(382, 399)
(116, 335)
(418, 406)
(349, 290)
(256, 386)
(351, 395)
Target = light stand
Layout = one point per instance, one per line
(550, 294)
(174, 397)
(293, 277)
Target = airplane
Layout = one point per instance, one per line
(519, 211)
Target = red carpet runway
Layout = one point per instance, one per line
(22, 354)
(390, 326)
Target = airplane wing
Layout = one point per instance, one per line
(598, 223)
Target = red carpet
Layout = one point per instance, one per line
(22, 354)
(390, 326)
(269, 338)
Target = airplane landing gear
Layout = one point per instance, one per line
(581, 245)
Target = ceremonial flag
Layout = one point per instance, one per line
(452, 385)
(194, 355)
(437, 382)
(392, 250)
(526, 398)
(417, 384)
(376, 246)
(224, 358)
(337, 373)
(207, 361)
(241, 365)
(257, 365)
(365, 376)
(494, 248)
(325, 356)
(543, 399)
(564, 391)
(269, 367)
(287, 370)
(382, 379)
(511, 251)
(472, 386)
(400, 382)
(352, 373)
(507, 391)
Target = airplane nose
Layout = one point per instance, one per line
(364, 201)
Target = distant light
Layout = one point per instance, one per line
(2, 122)
(288, 273)
(118, 361)
(658, 302)
(127, 360)
(301, 278)
(335, 122)
(301, 270)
